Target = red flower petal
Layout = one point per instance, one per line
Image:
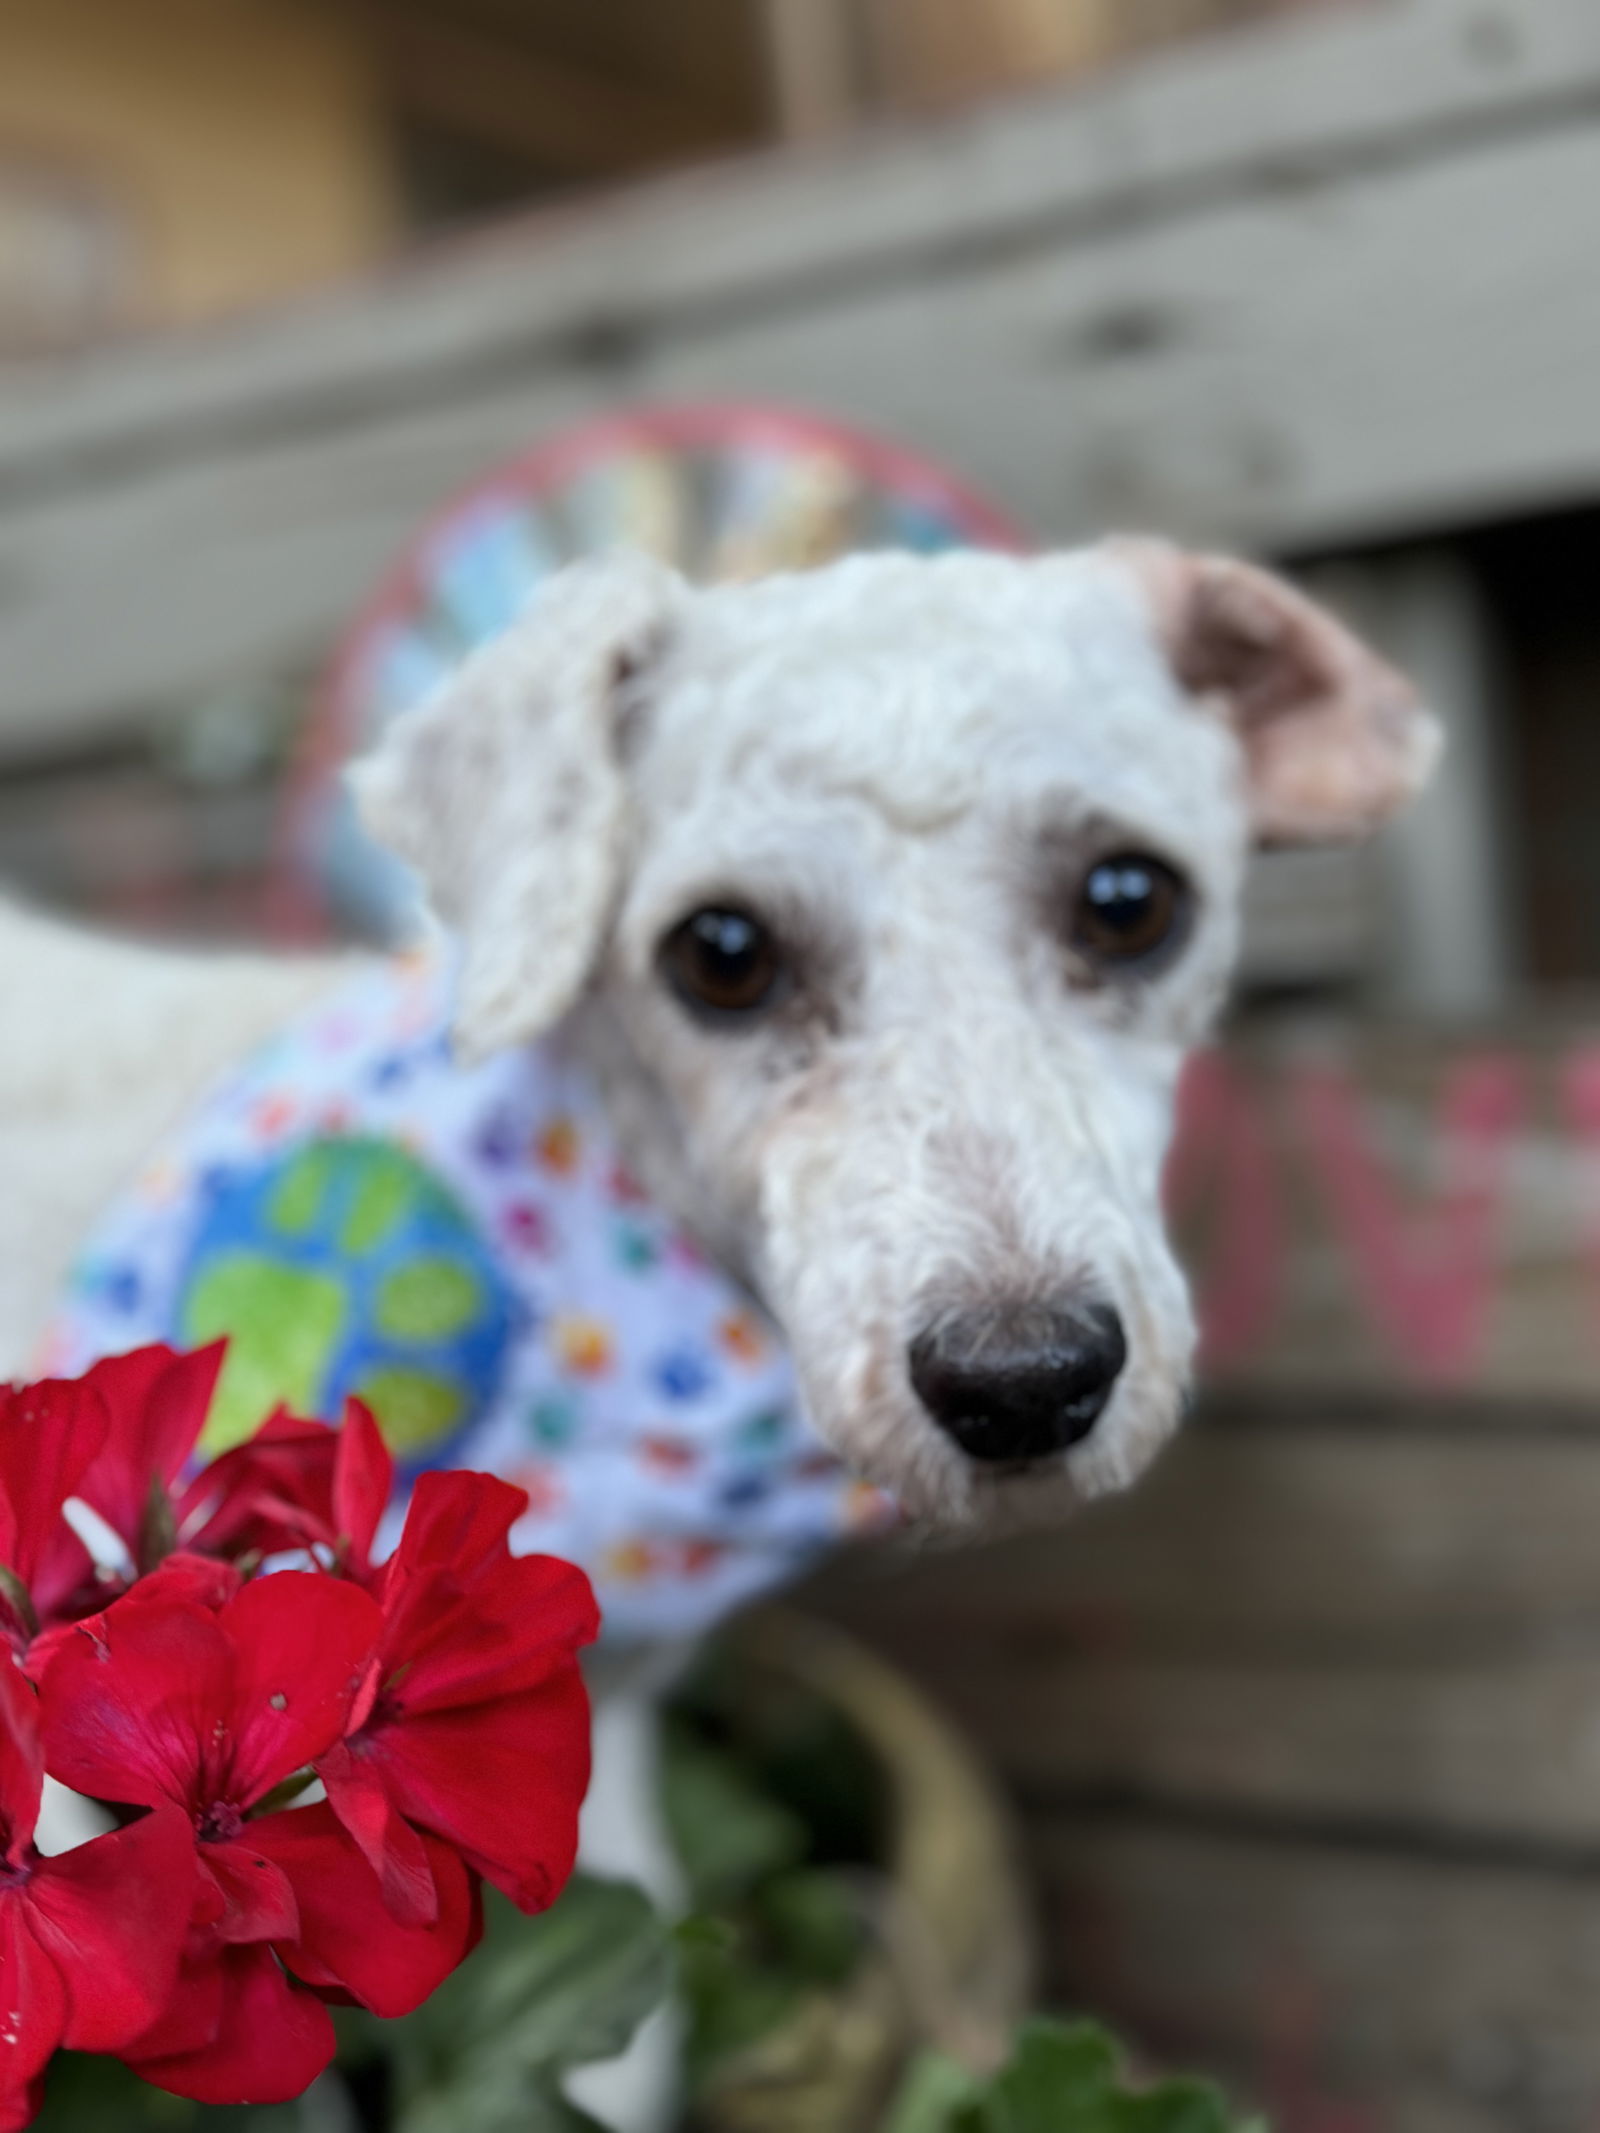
(301, 1643)
(348, 1939)
(113, 1913)
(33, 1998)
(21, 1763)
(201, 1580)
(258, 1903)
(17, 1618)
(391, 1847)
(157, 1400)
(49, 1435)
(130, 1703)
(159, 1699)
(268, 1495)
(67, 1584)
(273, 2038)
(501, 1781)
(363, 1481)
(189, 2020)
(20, 2107)
(464, 1620)
(39, 1651)
(520, 1621)
(457, 1521)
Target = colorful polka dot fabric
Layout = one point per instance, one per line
(463, 1249)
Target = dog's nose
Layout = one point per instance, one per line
(1022, 1381)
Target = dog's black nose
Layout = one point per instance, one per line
(1020, 1381)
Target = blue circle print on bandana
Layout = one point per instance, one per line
(345, 1267)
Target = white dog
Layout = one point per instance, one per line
(879, 907)
(885, 903)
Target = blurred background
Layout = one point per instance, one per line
(1305, 1738)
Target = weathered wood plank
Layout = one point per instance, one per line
(1373, 1628)
(1220, 371)
(1335, 89)
(813, 66)
(1376, 1212)
(1502, 1755)
(1299, 1543)
(1355, 1992)
(529, 103)
(153, 590)
(1136, 316)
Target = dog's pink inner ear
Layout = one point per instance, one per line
(1335, 741)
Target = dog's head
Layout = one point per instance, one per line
(886, 901)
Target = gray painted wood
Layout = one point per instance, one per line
(1354, 89)
(1444, 942)
(1304, 1737)
(1387, 1537)
(1355, 1992)
(1301, 285)
(1486, 1752)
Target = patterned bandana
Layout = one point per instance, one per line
(463, 1249)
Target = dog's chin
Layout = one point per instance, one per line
(991, 1501)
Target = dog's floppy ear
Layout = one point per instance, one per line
(505, 791)
(1334, 740)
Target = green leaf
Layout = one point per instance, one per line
(529, 2103)
(733, 1998)
(728, 1835)
(546, 2110)
(1060, 2075)
(1066, 2078)
(699, 1935)
(540, 1995)
(813, 1922)
(1175, 2107)
(932, 2091)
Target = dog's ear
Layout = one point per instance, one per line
(505, 791)
(1334, 740)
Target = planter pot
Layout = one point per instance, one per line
(949, 1960)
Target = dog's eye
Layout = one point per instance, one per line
(724, 962)
(1129, 909)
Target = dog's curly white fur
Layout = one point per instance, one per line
(905, 765)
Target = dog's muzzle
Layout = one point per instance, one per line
(1018, 1382)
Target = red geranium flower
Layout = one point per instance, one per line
(265, 1496)
(165, 1701)
(238, 2030)
(478, 1703)
(89, 1940)
(295, 1484)
(350, 1944)
(154, 1403)
(438, 1694)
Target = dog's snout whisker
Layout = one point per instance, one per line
(1011, 1383)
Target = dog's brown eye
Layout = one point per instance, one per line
(1130, 907)
(723, 962)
